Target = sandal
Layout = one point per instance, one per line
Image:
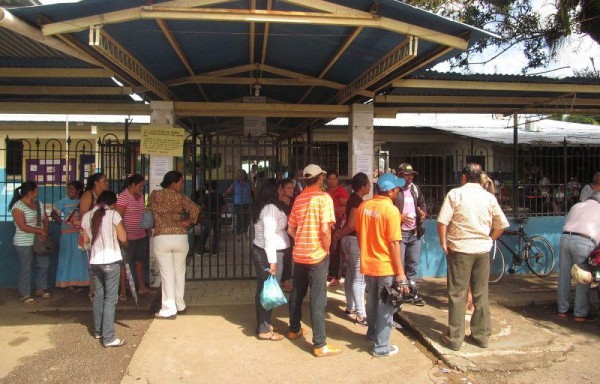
(272, 336)
(146, 292)
(43, 294)
(27, 300)
(123, 296)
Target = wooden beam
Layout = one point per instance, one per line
(387, 23)
(120, 57)
(260, 110)
(496, 86)
(263, 56)
(56, 72)
(485, 100)
(83, 23)
(179, 51)
(302, 81)
(77, 108)
(404, 52)
(44, 90)
(501, 110)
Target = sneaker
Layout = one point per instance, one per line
(115, 343)
(327, 350)
(295, 335)
(361, 321)
(588, 317)
(418, 301)
(27, 300)
(393, 351)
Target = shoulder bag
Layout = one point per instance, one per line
(43, 247)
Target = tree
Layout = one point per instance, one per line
(520, 25)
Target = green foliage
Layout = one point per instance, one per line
(519, 25)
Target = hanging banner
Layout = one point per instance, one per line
(162, 140)
(255, 126)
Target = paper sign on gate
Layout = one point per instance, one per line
(162, 140)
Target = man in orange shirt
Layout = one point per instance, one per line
(310, 225)
(379, 236)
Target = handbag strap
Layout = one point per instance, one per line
(39, 214)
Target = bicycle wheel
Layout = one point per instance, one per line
(539, 256)
(497, 264)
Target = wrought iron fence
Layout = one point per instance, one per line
(548, 179)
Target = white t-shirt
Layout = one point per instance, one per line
(106, 249)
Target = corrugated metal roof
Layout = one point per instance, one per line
(14, 45)
(494, 129)
(453, 76)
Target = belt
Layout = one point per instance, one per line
(578, 234)
(414, 230)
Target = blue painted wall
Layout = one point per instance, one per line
(433, 261)
(431, 264)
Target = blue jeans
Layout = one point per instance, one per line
(26, 256)
(411, 251)
(379, 315)
(315, 276)
(354, 285)
(573, 250)
(106, 292)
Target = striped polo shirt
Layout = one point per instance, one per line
(22, 238)
(134, 208)
(311, 209)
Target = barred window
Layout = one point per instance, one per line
(14, 157)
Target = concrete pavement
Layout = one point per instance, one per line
(215, 342)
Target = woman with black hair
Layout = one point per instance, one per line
(72, 271)
(103, 230)
(130, 205)
(173, 214)
(25, 207)
(270, 244)
(96, 184)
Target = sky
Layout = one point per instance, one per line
(573, 55)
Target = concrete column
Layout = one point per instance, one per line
(360, 151)
(163, 114)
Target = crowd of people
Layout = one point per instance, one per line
(308, 238)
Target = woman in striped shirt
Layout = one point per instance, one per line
(24, 208)
(270, 244)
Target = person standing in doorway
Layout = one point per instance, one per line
(242, 190)
(413, 209)
(339, 195)
(310, 225)
(212, 205)
(469, 221)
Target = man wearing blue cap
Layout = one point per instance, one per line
(379, 236)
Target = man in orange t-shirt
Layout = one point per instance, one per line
(379, 236)
(310, 225)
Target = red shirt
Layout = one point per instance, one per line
(336, 194)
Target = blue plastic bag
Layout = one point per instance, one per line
(272, 295)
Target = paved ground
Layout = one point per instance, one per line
(215, 341)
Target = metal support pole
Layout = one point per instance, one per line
(566, 175)
(515, 191)
(128, 168)
(194, 159)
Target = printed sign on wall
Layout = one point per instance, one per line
(162, 140)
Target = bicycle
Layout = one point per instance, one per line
(536, 251)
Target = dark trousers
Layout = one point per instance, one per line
(315, 277)
(466, 270)
(287, 264)
(213, 224)
(242, 218)
(261, 263)
(335, 256)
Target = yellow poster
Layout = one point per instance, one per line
(162, 140)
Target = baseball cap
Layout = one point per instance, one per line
(312, 170)
(407, 168)
(388, 181)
